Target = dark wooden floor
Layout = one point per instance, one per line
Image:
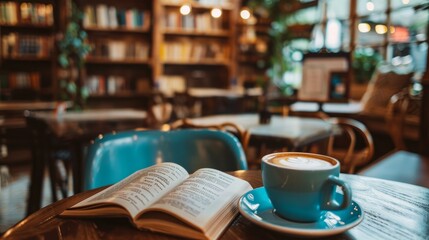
(13, 195)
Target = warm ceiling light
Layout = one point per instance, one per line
(245, 14)
(364, 27)
(380, 29)
(216, 12)
(370, 5)
(185, 9)
(405, 2)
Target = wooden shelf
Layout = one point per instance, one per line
(193, 50)
(197, 62)
(117, 30)
(199, 5)
(106, 60)
(252, 60)
(192, 32)
(27, 58)
(119, 95)
(28, 25)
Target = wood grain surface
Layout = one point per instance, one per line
(393, 210)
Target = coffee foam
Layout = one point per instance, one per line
(298, 162)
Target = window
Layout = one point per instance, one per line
(396, 29)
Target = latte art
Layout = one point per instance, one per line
(301, 163)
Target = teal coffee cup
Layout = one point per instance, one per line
(302, 185)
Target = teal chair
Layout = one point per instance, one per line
(114, 156)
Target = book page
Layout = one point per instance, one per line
(204, 199)
(141, 189)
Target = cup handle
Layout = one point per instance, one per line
(329, 203)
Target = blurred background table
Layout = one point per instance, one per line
(74, 130)
(291, 132)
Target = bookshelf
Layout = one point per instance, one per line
(253, 52)
(197, 49)
(27, 57)
(120, 33)
(135, 46)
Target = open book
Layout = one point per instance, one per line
(165, 198)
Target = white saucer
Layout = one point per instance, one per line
(256, 206)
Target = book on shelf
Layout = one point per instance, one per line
(15, 80)
(165, 198)
(116, 84)
(22, 45)
(111, 84)
(9, 13)
(104, 16)
(113, 20)
(201, 22)
(96, 85)
(120, 49)
(36, 13)
(185, 50)
(29, 13)
(169, 84)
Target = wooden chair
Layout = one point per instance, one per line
(403, 118)
(185, 106)
(160, 110)
(117, 155)
(354, 147)
(242, 135)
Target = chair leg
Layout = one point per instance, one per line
(53, 178)
(58, 172)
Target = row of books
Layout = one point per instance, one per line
(203, 2)
(113, 84)
(20, 80)
(104, 16)
(120, 50)
(186, 50)
(22, 45)
(28, 13)
(198, 22)
(169, 84)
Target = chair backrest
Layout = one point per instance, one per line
(115, 156)
(346, 146)
(403, 118)
(186, 106)
(160, 110)
(233, 128)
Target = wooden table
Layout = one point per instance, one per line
(219, 92)
(76, 129)
(292, 132)
(393, 210)
(13, 130)
(221, 101)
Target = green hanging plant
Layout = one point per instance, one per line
(365, 61)
(73, 49)
(279, 61)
